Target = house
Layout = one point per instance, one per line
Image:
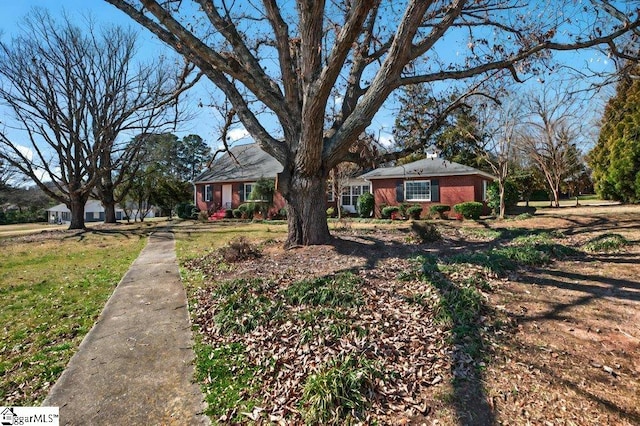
(93, 212)
(429, 181)
(228, 182)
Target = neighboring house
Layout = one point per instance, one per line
(93, 212)
(228, 181)
(429, 181)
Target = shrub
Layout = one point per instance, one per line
(228, 214)
(439, 210)
(247, 210)
(414, 212)
(239, 249)
(186, 211)
(237, 213)
(469, 210)
(366, 203)
(203, 216)
(425, 232)
(388, 211)
(331, 212)
(511, 195)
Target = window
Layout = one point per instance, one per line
(417, 190)
(485, 184)
(248, 187)
(350, 194)
(331, 195)
(208, 192)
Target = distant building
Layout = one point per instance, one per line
(93, 212)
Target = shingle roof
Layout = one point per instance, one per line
(254, 164)
(427, 167)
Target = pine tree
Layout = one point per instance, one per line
(615, 159)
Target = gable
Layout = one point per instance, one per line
(244, 163)
(425, 168)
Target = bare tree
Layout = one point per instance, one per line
(291, 58)
(500, 124)
(72, 95)
(553, 130)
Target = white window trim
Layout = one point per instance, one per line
(417, 199)
(208, 193)
(248, 194)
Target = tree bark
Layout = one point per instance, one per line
(76, 206)
(108, 202)
(306, 210)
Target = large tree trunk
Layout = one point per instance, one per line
(77, 212)
(109, 205)
(306, 210)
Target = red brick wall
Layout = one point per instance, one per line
(216, 201)
(453, 190)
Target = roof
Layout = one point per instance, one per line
(254, 164)
(427, 167)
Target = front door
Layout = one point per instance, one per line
(227, 196)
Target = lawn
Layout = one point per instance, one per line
(528, 320)
(53, 285)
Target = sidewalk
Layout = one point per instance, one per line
(135, 365)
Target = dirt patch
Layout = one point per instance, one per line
(552, 344)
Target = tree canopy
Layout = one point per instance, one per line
(615, 159)
(72, 92)
(285, 66)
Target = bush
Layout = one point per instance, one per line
(186, 211)
(228, 214)
(331, 212)
(511, 196)
(247, 210)
(203, 216)
(439, 210)
(237, 213)
(425, 232)
(388, 211)
(414, 212)
(366, 203)
(469, 210)
(239, 249)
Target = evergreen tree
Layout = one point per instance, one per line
(424, 120)
(615, 159)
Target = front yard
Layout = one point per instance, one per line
(507, 322)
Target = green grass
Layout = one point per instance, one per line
(342, 289)
(51, 292)
(338, 392)
(244, 306)
(225, 378)
(607, 243)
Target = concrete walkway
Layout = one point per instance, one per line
(135, 365)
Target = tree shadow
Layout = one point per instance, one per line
(462, 307)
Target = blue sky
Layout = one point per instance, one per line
(12, 11)
(204, 122)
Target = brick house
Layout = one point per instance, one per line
(228, 183)
(429, 181)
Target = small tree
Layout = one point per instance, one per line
(262, 194)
